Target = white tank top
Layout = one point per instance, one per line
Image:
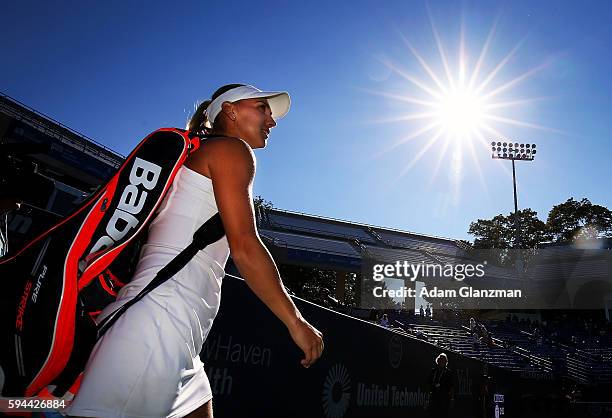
(189, 204)
(192, 296)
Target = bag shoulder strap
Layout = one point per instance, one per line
(211, 231)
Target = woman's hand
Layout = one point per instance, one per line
(309, 339)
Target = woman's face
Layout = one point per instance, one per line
(253, 121)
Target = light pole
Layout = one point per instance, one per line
(515, 152)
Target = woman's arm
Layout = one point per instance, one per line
(230, 164)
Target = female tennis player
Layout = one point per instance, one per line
(147, 364)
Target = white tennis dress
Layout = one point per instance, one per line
(147, 364)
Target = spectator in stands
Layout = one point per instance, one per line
(480, 334)
(537, 335)
(483, 396)
(373, 314)
(384, 321)
(422, 311)
(484, 337)
(472, 325)
(442, 383)
(428, 311)
(474, 331)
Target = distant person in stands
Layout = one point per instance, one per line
(484, 337)
(373, 315)
(472, 325)
(384, 321)
(483, 397)
(474, 331)
(428, 311)
(537, 335)
(422, 311)
(442, 384)
(480, 334)
(148, 364)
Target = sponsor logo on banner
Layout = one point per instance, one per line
(336, 392)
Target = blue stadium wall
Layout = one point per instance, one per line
(366, 370)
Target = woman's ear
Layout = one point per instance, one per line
(229, 110)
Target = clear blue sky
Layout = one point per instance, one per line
(116, 70)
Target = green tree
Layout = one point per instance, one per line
(579, 220)
(500, 232)
(566, 222)
(261, 203)
(491, 233)
(311, 283)
(533, 231)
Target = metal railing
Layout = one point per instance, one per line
(49, 126)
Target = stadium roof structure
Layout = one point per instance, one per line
(298, 238)
(59, 151)
(50, 126)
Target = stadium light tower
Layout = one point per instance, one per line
(514, 152)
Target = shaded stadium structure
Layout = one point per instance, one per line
(554, 361)
(46, 165)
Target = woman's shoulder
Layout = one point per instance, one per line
(225, 144)
(221, 139)
(221, 151)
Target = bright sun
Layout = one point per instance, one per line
(460, 112)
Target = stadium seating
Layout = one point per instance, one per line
(461, 341)
(326, 245)
(415, 242)
(317, 226)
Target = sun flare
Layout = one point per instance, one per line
(460, 111)
(460, 104)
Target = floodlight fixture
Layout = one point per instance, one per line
(514, 152)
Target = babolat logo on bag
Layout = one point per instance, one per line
(143, 177)
(121, 213)
(47, 307)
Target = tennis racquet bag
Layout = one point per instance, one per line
(53, 288)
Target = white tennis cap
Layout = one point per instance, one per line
(279, 101)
